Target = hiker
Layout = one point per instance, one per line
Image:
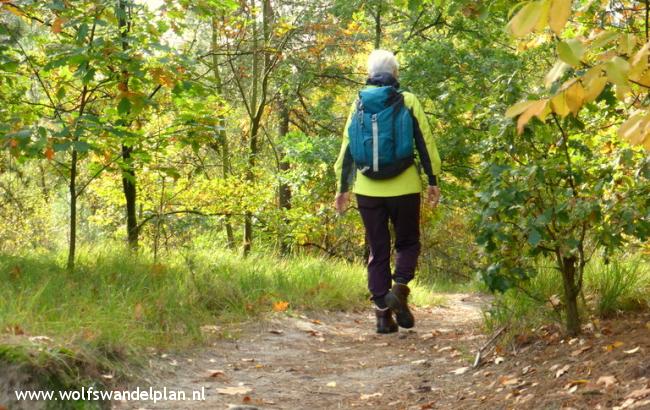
(385, 130)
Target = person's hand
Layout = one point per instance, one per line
(433, 196)
(341, 202)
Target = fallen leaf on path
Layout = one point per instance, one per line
(632, 351)
(555, 300)
(508, 380)
(525, 399)
(639, 394)
(562, 371)
(370, 396)
(613, 346)
(422, 361)
(39, 339)
(461, 370)
(280, 306)
(573, 383)
(248, 360)
(314, 333)
(215, 373)
(246, 399)
(580, 351)
(499, 360)
(233, 391)
(331, 384)
(276, 332)
(210, 329)
(607, 381)
(527, 370)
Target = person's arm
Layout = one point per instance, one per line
(426, 147)
(344, 165)
(424, 141)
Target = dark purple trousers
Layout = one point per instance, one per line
(404, 213)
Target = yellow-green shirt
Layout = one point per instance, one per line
(409, 181)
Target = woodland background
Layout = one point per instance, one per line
(145, 146)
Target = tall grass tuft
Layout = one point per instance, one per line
(619, 285)
(116, 299)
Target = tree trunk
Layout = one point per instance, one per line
(131, 196)
(72, 246)
(221, 134)
(571, 292)
(252, 147)
(128, 171)
(257, 103)
(378, 30)
(284, 191)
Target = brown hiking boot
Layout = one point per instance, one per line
(397, 301)
(385, 321)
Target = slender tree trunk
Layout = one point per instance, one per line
(128, 171)
(284, 191)
(571, 292)
(252, 148)
(221, 134)
(257, 104)
(161, 206)
(378, 30)
(72, 246)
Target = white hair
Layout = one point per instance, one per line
(382, 61)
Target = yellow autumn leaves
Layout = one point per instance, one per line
(535, 15)
(606, 52)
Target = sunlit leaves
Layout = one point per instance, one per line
(637, 129)
(571, 51)
(556, 73)
(610, 55)
(57, 25)
(559, 15)
(575, 97)
(535, 15)
(617, 70)
(527, 18)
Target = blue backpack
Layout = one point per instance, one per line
(381, 133)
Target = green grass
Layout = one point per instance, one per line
(115, 299)
(116, 305)
(619, 285)
(622, 285)
(116, 302)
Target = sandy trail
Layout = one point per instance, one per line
(330, 361)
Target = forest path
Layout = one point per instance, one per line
(331, 361)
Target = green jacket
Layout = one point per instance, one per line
(409, 181)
